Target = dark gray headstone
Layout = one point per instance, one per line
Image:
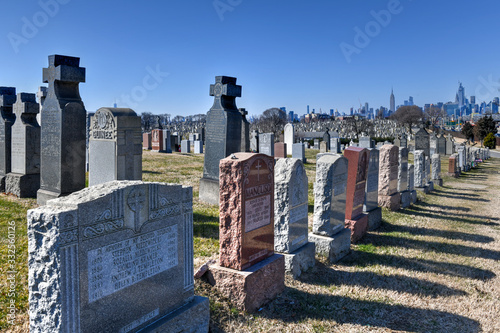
(223, 134)
(266, 144)
(63, 130)
(24, 178)
(326, 139)
(441, 145)
(167, 146)
(335, 145)
(371, 196)
(404, 141)
(245, 132)
(115, 151)
(422, 142)
(7, 119)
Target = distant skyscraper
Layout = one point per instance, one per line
(460, 95)
(308, 109)
(473, 100)
(393, 103)
(410, 101)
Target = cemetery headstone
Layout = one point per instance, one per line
(441, 145)
(245, 131)
(248, 271)
(322, 147)
(332, 239)
(326, 140)
(7, 119)
(266, 144)
(198, 147)
(167, 145)
(397, 142)
(41, 95)
(436, 169)
(280, 150)
(355, 219)
(316, 144)
(62, 158)
(289, 138)
(299, 151)
(449, 145)
(186, 146)
(157, 140)
(290, 216)
(422, 141)
(403, 178)
(452, 166)
(146, 141)
(428, 180)
(432, 143)
(223, 134)
(115, 146)
(24, 178)
(365, 142)
(335, 145)
(404, 141)
(370, 206)
(419, 163)
(411, 183)
(116, 257)
(388, 195)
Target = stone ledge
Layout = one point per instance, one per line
(405, 199)
(253, 287)
(392, 202)
(424, 189)
(300, 260)
(22, 186)
(358, 226)
(374, 218)
(334, 248)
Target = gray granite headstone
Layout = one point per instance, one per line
(326, 140)
(7, 119)
(335, 145)
(289, 138)
(404, 141)
(441, 145)
(299, 151)
(62, 155)
(198, 147)
(403, 170)
(245, 131)
(185, 146)
(422, 141)
(167, 145)
(436, 167)
(116, 257)
(316, 144)
(330, 194)
(365, 142)
(24, 178)
(371, 190)
(290, 205)
(433, 143)
(411, 177)
(266, 144)
(223, 134)
(419, 162)
(449, 145)
(115, 148)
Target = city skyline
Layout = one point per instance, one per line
(162, 58)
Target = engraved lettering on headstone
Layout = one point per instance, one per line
(257, 212)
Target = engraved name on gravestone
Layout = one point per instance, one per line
(115, 151)
(7, 119)
(246, 191)
(114, 257)
(290, 205)
(63, 130)
(266, 144)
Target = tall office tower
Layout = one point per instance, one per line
(308, 109)
(331, 112)
(393, 103)
(410, 101)
(461, 95)
(366, 108)
(473, 100)
(494, 105)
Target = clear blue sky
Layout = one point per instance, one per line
(283, 52)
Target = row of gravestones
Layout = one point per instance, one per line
(466, 158)
(161, 140)
(49, 161)
(434, 144)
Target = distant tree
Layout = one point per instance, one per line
(408, 116)
(358, 125)
(272, 121)
(468, 131)
(433, 114)
(147, 121)
(484, 126)
(490, 141)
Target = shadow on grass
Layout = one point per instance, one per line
(323, 275)
(205, 226)
(470, 219)
(295, 306)
(151, 172)
(437, 233)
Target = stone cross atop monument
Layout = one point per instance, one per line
(64, 129)
(225, 92)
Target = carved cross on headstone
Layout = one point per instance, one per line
(65, 73)
(258, 166)
(225, 92)
(136, 200)
(7, 98)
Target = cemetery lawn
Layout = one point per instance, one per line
(433, 267)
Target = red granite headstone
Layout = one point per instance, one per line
(146, 140)
(280, 150)
(452, 166)
(157, 140)
(355, 191)
(246, 206)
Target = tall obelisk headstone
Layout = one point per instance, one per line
(7, 118)
(223, 134)
(63, 130)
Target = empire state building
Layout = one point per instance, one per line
(393, 104)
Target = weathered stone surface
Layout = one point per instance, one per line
(115, 151)
(300, 260)
(7, 119)
(289, 138)
(22, 186)
(78, 247)
(326, 140)
(333, 248)
(266, 144)
(388, 170)
(403, 170)
(358, 227)
(63, 132)
(246, 210)
(299, 151)
(371, 197)
(254, 141)
(245, 131)
(290, 205)
(392, 202)
(330, 194)
(374, 218)
(441, 145)
(280, 150)
(449, 145)
(365, 142)
(419, 163)
(436, 167)
(253, 287)
(405, 199)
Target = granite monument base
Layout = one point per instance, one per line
(22, 186)
(374, 218)
(193, 317)
(424, 189)
(253, 287)
(453, 174)
(209, 191)
(2, 184)
(405, 199)
(358, 226)
(392, 202)
(42, 196)
(300, 260)
(430, 185)
(334, 248)
(438, 182)
(413, 195)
